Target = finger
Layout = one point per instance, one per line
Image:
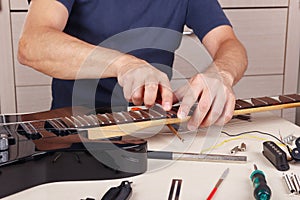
(137, 94)
(127, 90)
(201, 110)
(215, 111)
(166, 94)
(190, 97)
(228, 111)
(150, 93)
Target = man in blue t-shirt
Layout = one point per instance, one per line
(103, 52)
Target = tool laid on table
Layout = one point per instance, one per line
(212, 193)
(168, 155)
(236, 149)
(121, 192)
(176, 185)
(293, 183)
(261, 189)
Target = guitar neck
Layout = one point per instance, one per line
(64, 122)
(263, 104)
(242, 107)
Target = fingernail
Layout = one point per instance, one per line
(181, 115)
(192, 127)
(167, 106)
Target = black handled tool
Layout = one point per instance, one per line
(121, 192)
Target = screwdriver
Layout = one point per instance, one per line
(261, 189)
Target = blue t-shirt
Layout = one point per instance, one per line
(148, 29)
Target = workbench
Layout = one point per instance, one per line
(198, 178)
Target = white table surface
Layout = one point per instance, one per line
(198, 177)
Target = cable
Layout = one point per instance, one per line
(260, 132)
(247, 132)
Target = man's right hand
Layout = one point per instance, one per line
(142, 82)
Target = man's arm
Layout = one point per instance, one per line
(213, 87)
(44, 47)
(228, 53)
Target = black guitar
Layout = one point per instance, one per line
(33, 152)
(72, 144)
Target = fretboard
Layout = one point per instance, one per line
(127, 122)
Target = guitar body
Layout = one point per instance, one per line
(71, 144)
(27, 161)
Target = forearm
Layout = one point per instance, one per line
(231, 60)
(62, 56)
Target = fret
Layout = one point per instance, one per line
(83, 121)
(63, 129)
(295, 97)
(32, 128)
(136, 116)
(244, 104)
(77, 122)
(28, 130)
(90, 118)
(146, 115)
(71, 121)
(258, 102)
(97, 119)
(34, 133)
(157, 114)
(60, 123)
(269, 101)
(139, 114)
(237, 106)
(172, 114)
(53, 126)
(128, 116)
(111, 118)
(285, 99)
(25, 130)
(118, 116)
(68, 122)
(159, 110)
(104, 119)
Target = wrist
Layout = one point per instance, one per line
(123, 63)
(226, 76)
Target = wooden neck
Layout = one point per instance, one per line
(244, 106)
(123, 123)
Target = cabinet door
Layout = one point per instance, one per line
(253, 3)
(33, 98)
(263, 32)
(18, 4)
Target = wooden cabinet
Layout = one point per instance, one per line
(18, 5)
(267, 28)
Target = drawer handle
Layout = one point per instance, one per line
(189, 32)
